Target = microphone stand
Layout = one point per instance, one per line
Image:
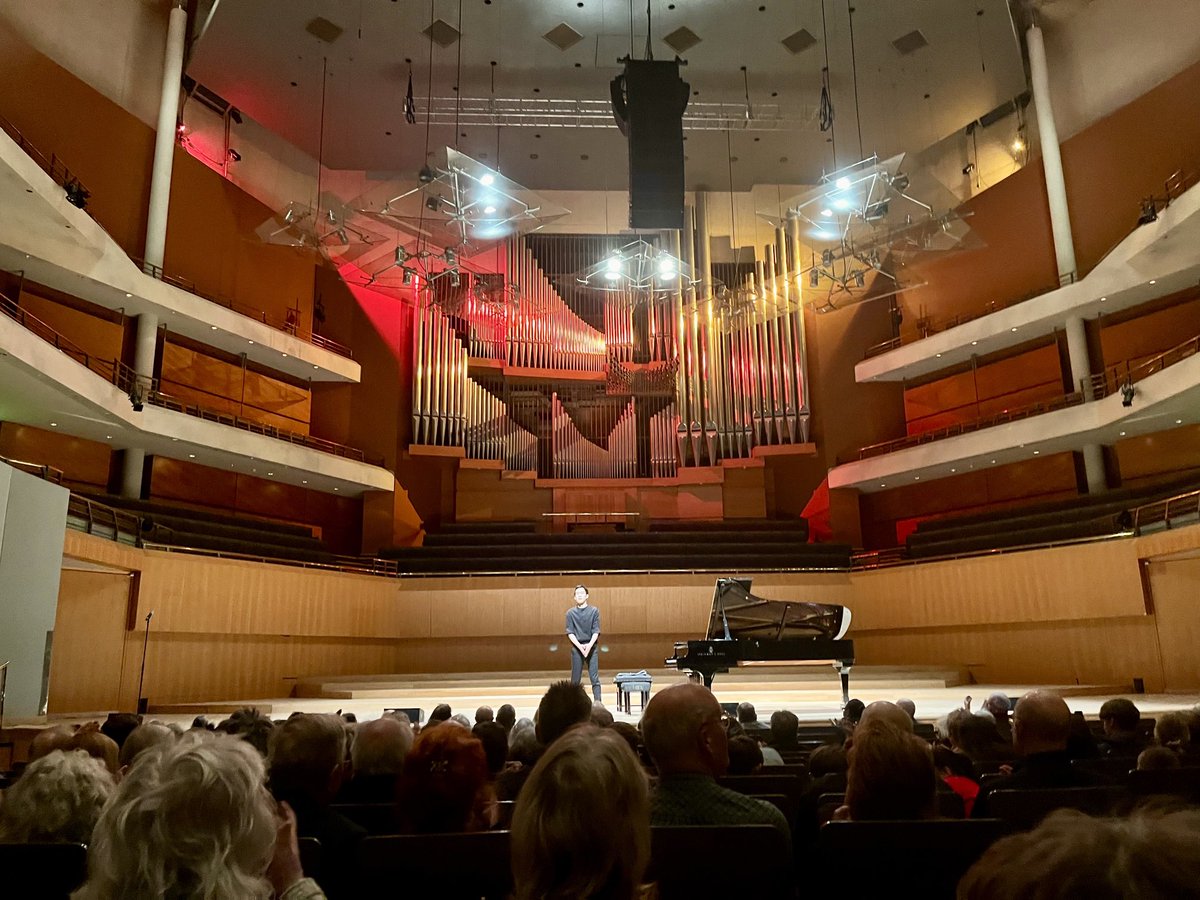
(142, 702)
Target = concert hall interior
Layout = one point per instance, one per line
(342, 340)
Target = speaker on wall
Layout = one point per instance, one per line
(648, 101)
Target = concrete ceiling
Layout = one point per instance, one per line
(260, 57)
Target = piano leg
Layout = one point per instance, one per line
(844, 671)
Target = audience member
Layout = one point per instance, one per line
(46, 741)
(377, 758)
(1041, 725)
(889, 713)
(601, 717)
(460, 720)
(745, 756)
(118, 726)
(785, 730)
(581, 830)
(142, 738)
(891, 775)
(307, 765)
(958, 774)
(851, 713)
(1156, 759)
(98, 745)
(909, 707)
(1119, 718)
(827, 767)
(506, 716)
(484, 714)
(1171, 731)
(441, 713)
(524, 750)
(57, 798)
(1001, 709)
(252, 727)
(630, 735)
(685, 738)
(192, 821)
(1151, 854)
(976, 738)
(1081, 743)
(563, 706)
(445, 786)
(495, 745)
(748, 717)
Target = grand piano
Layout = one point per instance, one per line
(744, 629)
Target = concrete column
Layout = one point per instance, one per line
(164, 140)
(1077, 352)
(144, 350)
(1093, 468)
(1056, 187)
(132, 466)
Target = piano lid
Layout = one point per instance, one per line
(737, 613)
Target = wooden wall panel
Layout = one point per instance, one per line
(1163, 455)
(84, 463)
(98, 337)
(1153, 333)
(1175, 586)
(86, 663)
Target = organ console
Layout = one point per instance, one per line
(744, 629)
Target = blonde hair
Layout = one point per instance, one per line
(581, 828)
(191, 819)
(58, 798)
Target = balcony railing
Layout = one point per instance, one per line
(58, 171)
(1182, 507)
(142, 389)
(1127, 374)
(47, 473)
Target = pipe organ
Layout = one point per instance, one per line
(528, 366)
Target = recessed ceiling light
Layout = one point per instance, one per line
(1102, 299)
(191, 456)
(916, 478)
(304, 481)
(882, 485)
(1153, 281)
(108, 437)
(1014, 328)
(251, 342)
(993, 462)
(270, 473)
(285, 355)
(316, 367)
(174, 439)
(128, 295)
(53, 424)
(335, 489)
(939, 356)
(1036, 452)
(954, 470)
(974, 343)
(1122, 434)
(1179, 421)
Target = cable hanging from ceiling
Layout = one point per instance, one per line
(854, 72)
(826, 112)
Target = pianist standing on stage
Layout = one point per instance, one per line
(583, 631)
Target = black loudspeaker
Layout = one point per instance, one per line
(648, 103)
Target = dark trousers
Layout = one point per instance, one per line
(593, 666)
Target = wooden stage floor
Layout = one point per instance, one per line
(811, 692)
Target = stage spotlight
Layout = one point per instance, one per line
(77, 194)
(486, 179)
(408, 277)
(234, 156)
(433, 204)
(860, 280)
(451, 257)
(827, 258)
(876, 212)
(1128, 391)
(426, 175)
(1149, 213)
(843, 183)
(455, 281)
(969, 168)
(814, 277)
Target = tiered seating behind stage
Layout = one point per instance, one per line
(1043, 523)
(517, 547)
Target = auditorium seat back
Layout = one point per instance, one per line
(1023, 810)
(446, 866)
(43, 871)
(698, 861)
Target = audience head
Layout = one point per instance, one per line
(559, 853)
(1156, 759)
(1041, 723)
(56, 737)
(307, 758)
(1119, 716)
(631, 736)
(745, 756)
(909, 707)
(495, 745)
(853, 711)
(891, 713)
(975, 736)
(1171, 731)
(891, 775)
(523, 745)
(444, 787)
(380, 746)
(947, 763)
(99, 746)
(828, 759)
(683, 731)
(1193, 720)
(746, 713)
(484, 714)
(1150, 854)
(999, 706)
(190, 820)
(58, 798)
(506, 716)
(441, 713)
(563, 706)
(785, 729)
(143, 738)
(460, 720)
(119, 726)
(252, 727)
(601, 717)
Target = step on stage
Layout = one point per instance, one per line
(812, 692)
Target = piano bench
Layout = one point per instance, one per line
(625, 691)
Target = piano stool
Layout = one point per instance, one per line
(627, 683)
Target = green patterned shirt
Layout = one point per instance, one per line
(699, 800)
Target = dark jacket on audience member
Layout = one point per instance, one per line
(369, 789)
(339, 839)
(699, 800)
(1040, 770)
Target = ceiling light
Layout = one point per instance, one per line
(843, 183)
(1122, 434)
(213, 327)
(939, 356)
(613, 264)
(285, 356)
(916, 478)
(993, 462)
(973, 343)
(1036, 452)
(1014, 328)
(827, 213)
(316, 367)
(53, 424)
(486, 178)
(954, 470)
(488, 210)
(1153, 281)
(304, 481)
(335, 489)
(128, 295)
(612, 276)
(841, 203)
(270, 473)
(251, 342)
(1102, 299)
(1018, 146)
(108, 437)
(1179, 421)
(883, 485)
(191, 456)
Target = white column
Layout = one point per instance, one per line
(133, 464)
(1093, 468)
(1077, 351)
(144, 347)
(1056, 187)
(164, 140)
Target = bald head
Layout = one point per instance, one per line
(46, 741)
(887, 712)
(143, 738)
(380, 746)
(1041, 723)
(682, 731)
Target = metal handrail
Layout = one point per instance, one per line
(94, 514)
(895, 556)
(143, 389)
(287, 325)
(353, 565)
(1165, 510)
(1114, 378)
(47, 473)
(66, 179)
(1008, 415)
